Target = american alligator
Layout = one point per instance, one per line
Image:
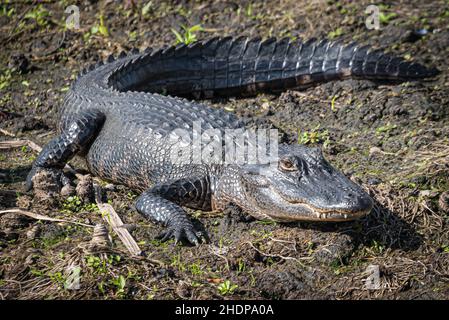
(122, 116)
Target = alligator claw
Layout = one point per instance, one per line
(182, 232)
(29, 179)
(58, 177)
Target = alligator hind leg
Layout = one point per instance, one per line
(77, 136)
(162, 204)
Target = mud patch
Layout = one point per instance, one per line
(389, 137)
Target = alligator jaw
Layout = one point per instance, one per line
(291, 211)
(330, 215)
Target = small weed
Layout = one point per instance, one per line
(147, 8)
(241, 267)
(36, 272)
(377, 248)
(195, 269)
(100, 265)
(74, 204)
(261, 235)
(249, 12)
(57, 278)
(120, 283)
(385, 129)
(266, 222)
(100, 287)
(336, 33)
(40, 15)
(5, 79)
(314, 136)
(100, 28)
(131, 196)
(132, 36)
(189, 35)
(226, 288)
(177, 263)
(6, 12)
(385, 18)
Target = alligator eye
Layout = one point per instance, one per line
(287, 165)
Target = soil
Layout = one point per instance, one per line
(392, 138)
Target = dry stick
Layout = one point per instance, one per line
(7, 133)
(42, 217)
(112, 218)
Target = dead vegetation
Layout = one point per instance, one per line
(392, 138)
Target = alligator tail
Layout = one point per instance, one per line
(242, 66)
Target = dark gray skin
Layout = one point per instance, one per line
(115, 118)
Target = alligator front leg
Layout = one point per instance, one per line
(77, 136)
(162, 204)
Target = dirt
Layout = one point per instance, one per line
(392, 138)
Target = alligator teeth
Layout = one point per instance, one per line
(345, 216)
(318, 215)
(323, 216)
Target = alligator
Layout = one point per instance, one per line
(123, 115)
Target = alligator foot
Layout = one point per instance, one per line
(38, 178)
(182, 231)
(153, 205)
(46, 183)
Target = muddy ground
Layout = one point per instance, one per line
(391, 138)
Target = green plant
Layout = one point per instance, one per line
(5, 11)
(195, 269)
(100, 265)
(226, 287)
(336, 33)
(74, 204)
(249, 12)
(241, 267)
(385, 18)
(376, 247)
(120, 283)
(314, 136)
(100, 28)
(189, 35)
(176, 262)
(5, 79)
(40, 15)
(147, 8)
(57, 278)
(385, 129)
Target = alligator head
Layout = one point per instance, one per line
(302, 185)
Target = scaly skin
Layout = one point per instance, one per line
(114, 116)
